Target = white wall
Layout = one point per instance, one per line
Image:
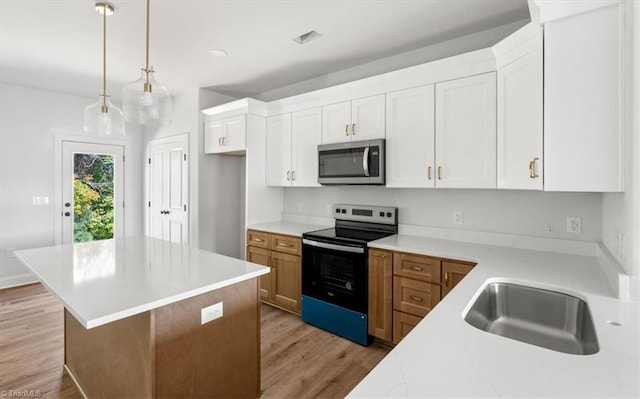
(30, 119)
(501, 211)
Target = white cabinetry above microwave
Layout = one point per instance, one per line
(292, 148)
(361, 119)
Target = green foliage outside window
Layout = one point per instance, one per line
(93, 197)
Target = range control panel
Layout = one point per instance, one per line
(364, 213)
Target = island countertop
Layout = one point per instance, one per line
(443, 356)
(103, 281)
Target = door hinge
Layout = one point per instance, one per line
(149, 204)
(185, 208)
(149, 161)
(185, 157)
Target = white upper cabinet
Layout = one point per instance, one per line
(466, 132)
(361, 119)
(292, 148)
(410, 138)
(306, 132)
(278, 155)
(583, 100)
(225, 135)
(520, 123)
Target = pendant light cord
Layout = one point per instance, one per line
(147, 70)
(104, 59)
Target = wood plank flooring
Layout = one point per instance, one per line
(298, 360)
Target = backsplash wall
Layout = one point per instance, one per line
(529, 213)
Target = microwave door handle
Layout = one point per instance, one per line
(365, 161)
(336, 247)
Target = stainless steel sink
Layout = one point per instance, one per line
(539, 317)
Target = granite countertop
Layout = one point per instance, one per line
(443, 356)
(103, 281)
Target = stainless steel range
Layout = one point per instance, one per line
(335, 271)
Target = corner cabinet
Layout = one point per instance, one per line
(584, 103)
(292, 148)
(466, 132)
(282, 287)
(520, 119)
(404, 287)
(361, 119)
(225, 135)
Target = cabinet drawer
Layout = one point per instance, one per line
(413, 296)
(417, 267)
(286, 244)
(258, 239)
(403, 323)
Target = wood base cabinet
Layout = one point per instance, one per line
(403, 288)
(282, 287)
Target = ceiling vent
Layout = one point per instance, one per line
(307, 37)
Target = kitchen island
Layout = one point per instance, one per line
(133, 318)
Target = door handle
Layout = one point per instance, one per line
(67, 213)
(220, 141)
(346, 130)
(67, 204)
(365, 161)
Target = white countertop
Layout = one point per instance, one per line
(443, 356)
(286, 228)
(104, 281)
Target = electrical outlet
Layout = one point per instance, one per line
(574, 225)
(457, 217)
(211, 313)
(328, 210)
(300, 206)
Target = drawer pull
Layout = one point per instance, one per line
(283, 244)
(417, 268)
(416, 298)
(257, 239)
(446, 279)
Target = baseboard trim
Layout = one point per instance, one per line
(15, 281)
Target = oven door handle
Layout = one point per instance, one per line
(365, 161)
(335, 247)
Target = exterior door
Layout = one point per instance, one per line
(168, 177)
(92, 191)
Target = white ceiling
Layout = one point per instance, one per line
(56, 44)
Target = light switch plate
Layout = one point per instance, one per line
(457, 217)
(211, 313)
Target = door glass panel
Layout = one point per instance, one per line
(93, 190)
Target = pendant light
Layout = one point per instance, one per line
(145, 101)
(102, 118)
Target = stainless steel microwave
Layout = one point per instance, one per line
(354, 162)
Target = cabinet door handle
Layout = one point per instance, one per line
(353, 129)
(220, 141)
(446, 279)
(416, 298)
(346, 130)
(224, 141)
(439, 172)
(293, 175)
(269, 261)
(532, 168)
(417, 268)
(288, 175)
(429, 172)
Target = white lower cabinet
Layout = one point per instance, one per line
(410, 138)
(292, 148)
(520, 159)
(466, 132)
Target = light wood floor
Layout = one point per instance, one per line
(298, 361)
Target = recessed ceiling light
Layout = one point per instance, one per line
(104, 7)
(307, 37)
(216, 52)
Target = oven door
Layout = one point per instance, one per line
(335, 273)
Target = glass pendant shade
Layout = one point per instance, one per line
(103, 119)
(147, 103)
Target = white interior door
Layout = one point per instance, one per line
(168, 195)
(92, 191)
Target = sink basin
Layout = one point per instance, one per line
(548, 319)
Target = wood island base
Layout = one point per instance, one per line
(168, 353)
